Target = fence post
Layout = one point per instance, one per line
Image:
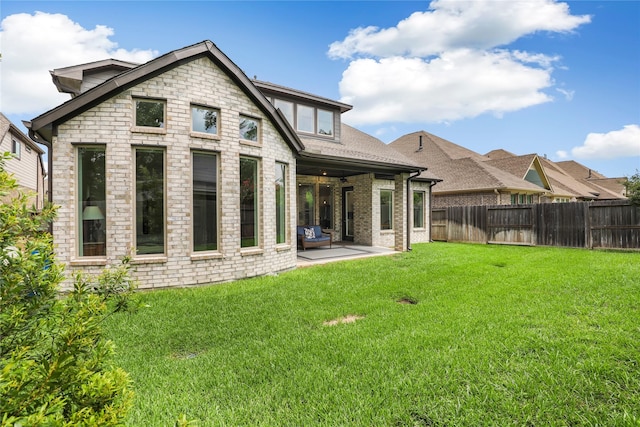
(588, 235)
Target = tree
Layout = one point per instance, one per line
(55, 363)
(633, 188)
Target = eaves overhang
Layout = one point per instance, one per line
(352, 166)
(44, 126)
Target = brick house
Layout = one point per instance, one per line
(25, 163)
(500, 177)
(203, 174)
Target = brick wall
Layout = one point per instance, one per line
(110, 123)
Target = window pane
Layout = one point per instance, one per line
(286, 107)
(325, 200)
(150, 113)
(248, 129)
(306, 205)
(204, 120)
(149, 201)
(15, 148)
(386, 210)
(205, 211)
(325, 122)
(281, 203)
(92, 201)
(418, 209)
(248, 202)
(305, 118)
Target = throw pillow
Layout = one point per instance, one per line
(309, 233)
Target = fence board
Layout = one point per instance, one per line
(580, 224)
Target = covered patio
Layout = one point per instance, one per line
(340, 251)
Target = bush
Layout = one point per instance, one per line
(633, 188)
(55, 363)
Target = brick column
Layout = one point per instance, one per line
(400, 212)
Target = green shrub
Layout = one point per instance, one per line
(633, 188)
(55, 363)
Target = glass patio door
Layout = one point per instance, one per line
(348, 214)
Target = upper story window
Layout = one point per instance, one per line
(249, 128)
(325, 122)
(286, 107)
(16, 148)
(204, 119)
(150, 113)
(305, 119)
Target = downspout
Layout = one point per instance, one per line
(409, 207)
(431, 210)
(34, 137)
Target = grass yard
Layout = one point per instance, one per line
(483, 336)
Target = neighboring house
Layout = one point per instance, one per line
(500, 177)
(605, 188)
(468, 178)
(204, 174)
(26, 162)
(542, 172)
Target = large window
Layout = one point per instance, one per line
(249, 128)
(150, 216)
(325, 122)
(286, 107)
(204, 120)
(386, 210)
(306, 204)
(281, 203)
(91, 201)
(305, 119)
(150, 113)
(248, 202)
(205, 209)
(418, 209)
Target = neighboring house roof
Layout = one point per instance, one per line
(460, 169)
(7, 126)
(43, 125)
(609, 188)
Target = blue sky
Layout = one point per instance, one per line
(531, 76)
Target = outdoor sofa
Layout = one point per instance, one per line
(311, 236)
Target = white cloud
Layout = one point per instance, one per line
(454, 24)
(450, 62)
(32, 45)
(615, 144)
(458, 84)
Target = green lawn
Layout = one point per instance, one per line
(498, 336)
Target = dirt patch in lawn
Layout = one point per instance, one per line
(350, 318)
(407, 300)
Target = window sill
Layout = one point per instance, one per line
(89, 261)
(150, 259)
(199, 256)
(250, 143)
(251, 251)
(283, 247)
(143, 129)
(202, 135)
(387, 231)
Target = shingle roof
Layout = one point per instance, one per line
(460, 168)
(358, 147)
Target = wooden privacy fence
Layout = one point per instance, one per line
(613, 225)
